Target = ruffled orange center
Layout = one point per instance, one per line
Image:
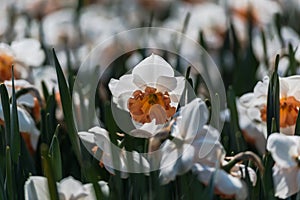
(6, 62)
(149, 104)
(289, 108)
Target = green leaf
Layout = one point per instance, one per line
(239, 143)
(48, 172)
(55, 155)
(273, 101)
(67, 109)
(45, 90)
(6, 112)
(15, 134)
(297, 128)
(268, 177)
(9, 180)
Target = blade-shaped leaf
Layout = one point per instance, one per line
(48, 172)
(9, 180)
(6, 112)
(15, 134)
(67, 108)
(55, 155)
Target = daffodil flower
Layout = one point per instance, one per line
(28, 108)
(59, 29)
(97, 141)
(262, 13)
(150, 93)
(22, 53)
(207, 17)
(252, 109)
(285, 151)
(36, 187)
(27, 128)
(193, 142)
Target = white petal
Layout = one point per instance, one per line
(101, 137)
(71, 188)
(168, 161)
(225, 184)
(166, 83)
(147, 130)
(208, 148)
(193, 117)
(286, 181)
(125, 84)
(29, 52)
(36, 187)
(151, 68)
(284, 149)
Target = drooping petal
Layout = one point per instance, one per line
(284, 149)
(286, 181)
(169, 158)
(225, 184)
(192, 118)
(151, 68)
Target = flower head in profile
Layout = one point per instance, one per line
(98, 142)
(36, 187)
(28, 110)
(21, 54)
(192, 142)
(150, 93)
(285, 151)
(252, 108)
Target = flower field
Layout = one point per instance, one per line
(149, 99)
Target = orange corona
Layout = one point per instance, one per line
(141, 102)
(289, 108)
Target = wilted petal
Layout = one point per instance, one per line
(284, 149)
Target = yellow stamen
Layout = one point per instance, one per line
(140, 104)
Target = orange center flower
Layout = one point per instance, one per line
(6, 62)
(289, 108)
(149, 104)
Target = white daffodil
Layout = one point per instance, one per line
(274, 46)
(28, 107)
(27, 128)
(36, 188)
(225, 184)
(59, 29)
(285, 151)
(252, 109)
(208, 17)
(150, 93)
(262, 12)
(193, 142)
(97, 140)
(22, 53)
(97, 24)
